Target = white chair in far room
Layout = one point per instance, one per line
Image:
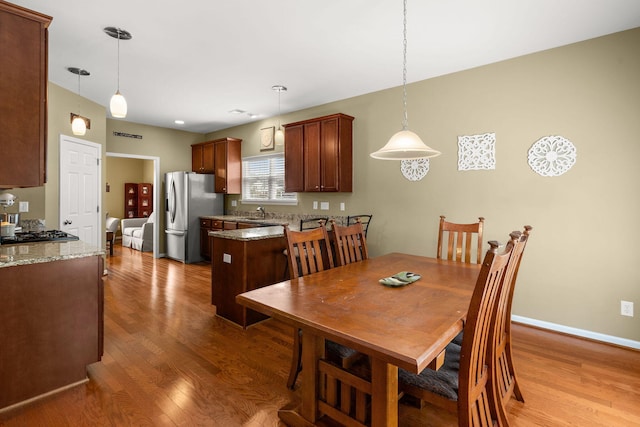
(137, 233)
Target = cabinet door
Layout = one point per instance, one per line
(228, 166)
(312, 157)
(220, 167)
(23, 96)
(196, 158)
(329, 155)
(293, 159)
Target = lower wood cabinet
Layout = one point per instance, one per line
(239, 266)
(51, 326)
(207, 225)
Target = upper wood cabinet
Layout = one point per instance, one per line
(23, 96)
(228, 166)
(318, 154)
(202, 157)
(222, 157)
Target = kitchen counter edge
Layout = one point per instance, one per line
(39, 252)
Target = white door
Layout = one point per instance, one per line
(80, 189)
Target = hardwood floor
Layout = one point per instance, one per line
(170, 361)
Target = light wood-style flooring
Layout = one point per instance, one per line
(170, 361)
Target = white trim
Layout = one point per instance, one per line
(624, 342)
(270, 202)
(157, 196)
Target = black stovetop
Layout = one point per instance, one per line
(38, 236)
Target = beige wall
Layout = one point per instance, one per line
(172, 148)
(119, 171)
(577, 267)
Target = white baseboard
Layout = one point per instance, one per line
(577, 332)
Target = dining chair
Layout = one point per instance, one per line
(464, 384)
(504, 372)
(350, 243)
(364, 219)
(460, 240)
(305, 224)
(311, 223)
(308, 252)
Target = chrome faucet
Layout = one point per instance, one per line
(261, 209)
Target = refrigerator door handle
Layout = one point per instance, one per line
(172, 202)
(175, 232)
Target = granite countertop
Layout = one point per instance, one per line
(33, 253)
(246, 234)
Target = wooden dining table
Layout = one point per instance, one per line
(404, 327)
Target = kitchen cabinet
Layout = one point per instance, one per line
(138, 199)
(23, 103)
(51, 325)
(242, 264)
(222, 157)
(202, 157)
(228, 166)
(207, 225)
(319, 154)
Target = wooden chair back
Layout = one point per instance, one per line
(476, 392)
(308, 251)
(365, 220)
(350, 243)
(460, 240)
(504, 375)
(311, 223)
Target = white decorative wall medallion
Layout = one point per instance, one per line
(552, 156)
(414, 170)
(476, 152)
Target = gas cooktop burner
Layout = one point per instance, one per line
(38, 236)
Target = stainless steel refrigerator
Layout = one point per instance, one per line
(188, 197)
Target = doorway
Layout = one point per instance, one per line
(157, 184)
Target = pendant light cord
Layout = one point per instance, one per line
(119, 59)
(405, 122)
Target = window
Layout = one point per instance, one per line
(263, 180)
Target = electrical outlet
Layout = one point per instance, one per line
(315, 204)
(626, 308)
(324, 206)
(23, 206)
(341, 206)
(234, 203)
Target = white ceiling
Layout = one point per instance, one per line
(196, 60)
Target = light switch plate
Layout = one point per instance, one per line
(234, 203)
(226, 258)
(342, 206)
(324, 206)
(23, 206)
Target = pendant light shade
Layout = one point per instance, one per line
(405, 145)
(78, 125)
(279, 136)
(118, 105)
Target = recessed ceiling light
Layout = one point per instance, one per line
(252, 115)
(179, 122)
(237, 111)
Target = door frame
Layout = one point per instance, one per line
(98, 147)
(156, 194)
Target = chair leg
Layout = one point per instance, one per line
(296, 360)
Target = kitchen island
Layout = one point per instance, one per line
(51, 317)
(243, 260)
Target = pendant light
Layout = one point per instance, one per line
(405, 145)
(118, 105)
(279, 137)
(78, 125)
